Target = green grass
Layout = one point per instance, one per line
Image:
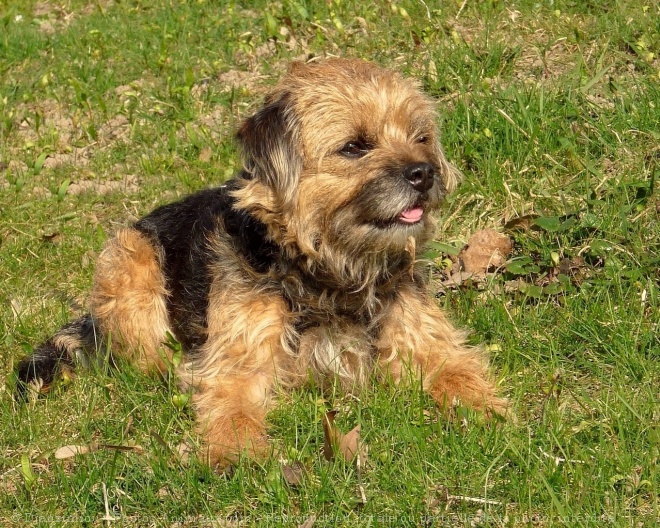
(108, 109)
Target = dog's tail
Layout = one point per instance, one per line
(76, 341)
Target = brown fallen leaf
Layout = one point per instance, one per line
(457, 279)
(294, 473)
(183, 451)
(571, 266)
(348, 446)
(330, 434)
(521, 223)
(486, 249)
(52, 238)
(70, 451)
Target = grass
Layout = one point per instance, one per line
(108, 109)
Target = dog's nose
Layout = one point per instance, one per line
(420, 176)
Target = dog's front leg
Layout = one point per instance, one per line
(418, 342)
(231, 413)
(244, 356)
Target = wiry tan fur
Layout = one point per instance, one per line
(128, 299)
(339, 300)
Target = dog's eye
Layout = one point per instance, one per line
(355, 149)
(423, 140)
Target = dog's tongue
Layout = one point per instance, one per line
(412, 216)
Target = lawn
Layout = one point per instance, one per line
(551, 109)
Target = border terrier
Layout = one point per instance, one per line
(301, 267)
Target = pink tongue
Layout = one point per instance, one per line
(412, 215)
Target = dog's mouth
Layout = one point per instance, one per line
(408, 218)
(412, 215)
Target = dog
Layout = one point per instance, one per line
(301, 267)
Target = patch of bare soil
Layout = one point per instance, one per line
(128, 184)
(252, 81)
(50, 117)
(542, 53)
(539, 63)
(54, 16)
(215, 123)
(16, 167)
(51, 16)
(133, 93)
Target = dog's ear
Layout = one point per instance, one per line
(271, 149)
(451, 175)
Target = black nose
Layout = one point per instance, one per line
(420, 176)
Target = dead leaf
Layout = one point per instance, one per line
(429, 417)
(457, 279)
(571, 266)
(486, 249)
(88, 258)
(293, 473)
(52, 238)
(521, 223)
(183, 451)
(348, 446)
(515, 285)
(71, 451)
(329, 435)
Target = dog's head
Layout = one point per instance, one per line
(344, 162)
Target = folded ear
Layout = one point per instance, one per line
(271, 148)
(451, 175)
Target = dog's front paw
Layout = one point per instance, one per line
(230, 438)
(463, 381)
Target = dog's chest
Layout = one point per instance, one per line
(336, 348)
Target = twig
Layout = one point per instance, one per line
(461, 9)
(559, 460)
(508, 118)
(358, 463)
(473, 499)
(428, 12)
